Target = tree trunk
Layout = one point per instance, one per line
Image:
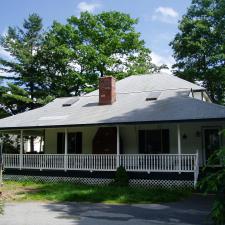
(101, 73)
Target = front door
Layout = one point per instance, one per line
(105, 141)
(211, 141)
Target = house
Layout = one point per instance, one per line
(159, 127)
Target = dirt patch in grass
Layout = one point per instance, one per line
(16, 194)
(12, 191)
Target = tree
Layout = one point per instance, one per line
(76, 53)
(199, 46)
(24, 44)
(13, 99)
(214, 182)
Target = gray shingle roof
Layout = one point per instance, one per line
(173, 104)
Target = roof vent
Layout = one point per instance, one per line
(153, 96)
(70, 102)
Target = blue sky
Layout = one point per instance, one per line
(158, 19)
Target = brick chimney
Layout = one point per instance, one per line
(107, 90)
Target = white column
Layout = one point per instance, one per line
(117, 146)
(179, 146)
(66, 150)
(21, 149)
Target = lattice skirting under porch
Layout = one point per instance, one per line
(180, 184)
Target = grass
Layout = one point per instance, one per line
(59, 192)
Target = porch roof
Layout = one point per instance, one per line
(173, 104)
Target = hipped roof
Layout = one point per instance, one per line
(172, 105)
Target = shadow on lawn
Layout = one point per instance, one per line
(194, 210)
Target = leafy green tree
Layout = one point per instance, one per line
(13, 99)
(214, 182)
(77, 53)
(109, 41)
(64, 76)
(199, 46)
(24, 44)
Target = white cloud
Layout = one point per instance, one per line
(4, 53)
(4, 32)
(166, 11)
(159, 60)
(90, 7)
(165, 14)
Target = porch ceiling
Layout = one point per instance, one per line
(25, 132)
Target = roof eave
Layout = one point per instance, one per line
(114, 123)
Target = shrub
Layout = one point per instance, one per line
(214, 182)
(121, 177)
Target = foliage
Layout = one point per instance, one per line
(77, 53)
(83, 193)
(22, 66)
(14, 99)
(121, 177)
(214, 181)
(199, 46)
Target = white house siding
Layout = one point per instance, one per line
(129, 136)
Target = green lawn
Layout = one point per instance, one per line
(19, 191)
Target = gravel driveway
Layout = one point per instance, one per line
(191, 211)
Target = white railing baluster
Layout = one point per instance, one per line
(131, 162)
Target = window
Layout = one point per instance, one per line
(154, 141)
(70, 102)
(74, 143)
(153, 96)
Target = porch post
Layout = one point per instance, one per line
(179, 147)
(21, 149)
(117, 146)
(66, 150)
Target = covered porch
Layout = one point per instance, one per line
(137, 148)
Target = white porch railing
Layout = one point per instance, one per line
(159, 162)
(109, 162)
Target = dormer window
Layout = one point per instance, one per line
(153, 96)
(70, 102)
